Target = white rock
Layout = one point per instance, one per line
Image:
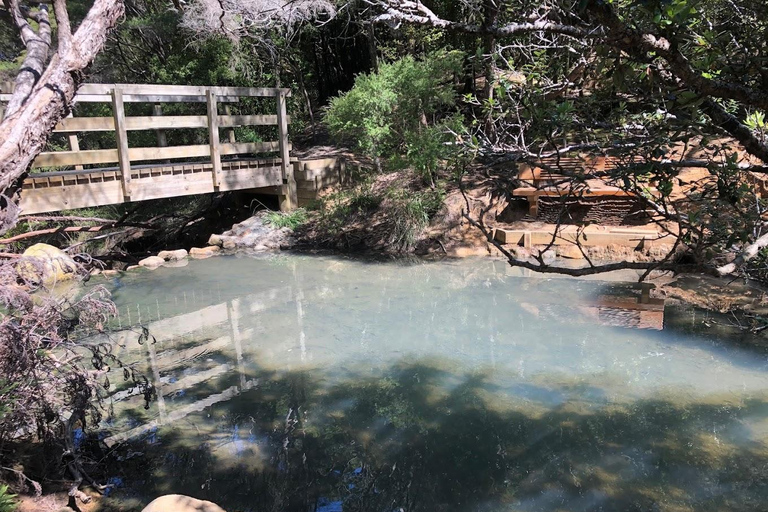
(204, 252)
(176, 255)
(151, 262)
(181, 503)
(216, 240)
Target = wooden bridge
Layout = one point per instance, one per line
(78, 178)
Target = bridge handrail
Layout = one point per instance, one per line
(160, 93)
(123, 155)
(115, 168)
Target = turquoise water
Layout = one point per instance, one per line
(318, 383)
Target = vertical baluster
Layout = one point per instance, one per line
(74, 143)
(118, 111)
(213, 131)
(231, 131)
(162, 141)
(289, 200)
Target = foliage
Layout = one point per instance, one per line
(756, 122)
(410, 213)
(401, 109)
(291, 219)
(7, 500)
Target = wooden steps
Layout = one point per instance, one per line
(591, 236)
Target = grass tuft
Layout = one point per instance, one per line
(292, 219)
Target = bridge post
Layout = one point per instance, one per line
(289, 199)
(74, 143)
(231, 131)
(162, 141)
(213, 133)
(118, 111)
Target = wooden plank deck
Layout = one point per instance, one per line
(46, 192)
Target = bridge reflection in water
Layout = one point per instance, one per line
(187, 338)
(369, 386)
(216, 329)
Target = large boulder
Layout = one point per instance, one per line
(181, 503)
(52, 264)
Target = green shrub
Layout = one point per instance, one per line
(7, 500)
(292, 219)
(401, 110)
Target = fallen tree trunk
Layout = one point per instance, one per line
(72, 229)
(24, 133)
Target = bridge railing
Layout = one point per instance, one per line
(131, 161)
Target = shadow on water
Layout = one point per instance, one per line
(403, 440)
(430, 392)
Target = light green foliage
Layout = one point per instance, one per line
(7, 500)
(756, 122)
(411, 213)
(292, 219)
(401, 110)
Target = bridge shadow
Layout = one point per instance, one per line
(419, 437)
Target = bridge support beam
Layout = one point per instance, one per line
(289, 199)
(118, 111)
(213, 131)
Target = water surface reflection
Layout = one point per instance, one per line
(298, 383)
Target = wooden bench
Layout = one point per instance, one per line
(543, 181)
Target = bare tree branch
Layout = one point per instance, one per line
(747, 254)
(63, 28)
(416, 13)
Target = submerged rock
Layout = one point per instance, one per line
(254, 234)
(177, 263)
(53, 264)
(181, 503)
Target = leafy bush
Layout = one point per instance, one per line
(292, 219)
(7, 500)
(401, 109)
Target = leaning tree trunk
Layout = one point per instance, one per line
(38, 44)
(24, 132)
